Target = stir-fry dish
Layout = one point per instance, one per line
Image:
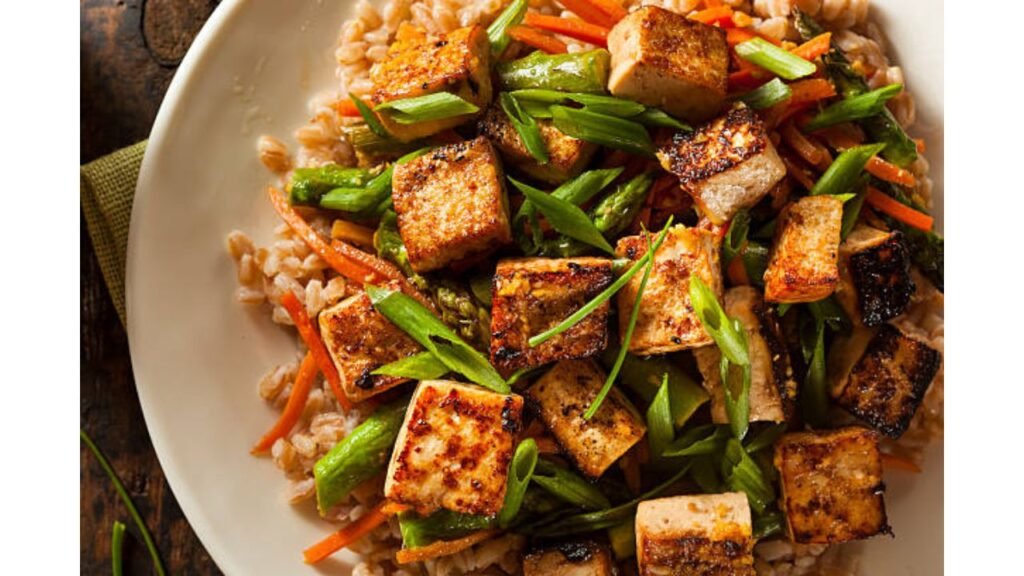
(594, 288)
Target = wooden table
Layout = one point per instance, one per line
(129, 53)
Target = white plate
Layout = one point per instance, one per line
(197, 354)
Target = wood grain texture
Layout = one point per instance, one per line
(129, 53)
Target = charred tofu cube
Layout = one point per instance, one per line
(531, 295)
(451, 204)
(570, 559)
(772, 387)
(418, 64)
(667, 322)
(831, 485)
(664, 59)
(454, 449)
(567, 156)
(564, 393)
(875, 284)
(360, 340)
(706, 534)
(804, 262)
(881, 376)
(726, 165)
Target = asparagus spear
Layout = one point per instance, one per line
(308, 185)
(418, 531)
(580, 72)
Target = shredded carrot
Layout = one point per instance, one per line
(571, 27)
(811, 90)
(547, 445)
(721, 15)
(746, 79)
(814, 47)
(798, 173)
(890, 172)
(351, 232)
(884, 203)
(347, 107)
(588, 12)
(800, 144)
(736, 36)
(613, 8)
(920, 145)
(349, 534)
(381, 269)
(310, 335)
(891, 461)
(443, 547)
(538, 40)
(293, 409)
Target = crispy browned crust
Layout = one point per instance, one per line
(451, 204)
(804, 262)
(569, 558)
(477, 429)
(715, 147)
(889, 381)
(360, 340)
(697, 556)
(534, 294)
(881, 277)
(567, 156)
(831, 485)
(418, 64)
(782, 370)
(684, 48)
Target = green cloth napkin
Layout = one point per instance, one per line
(107, 188)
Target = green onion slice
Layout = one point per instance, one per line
(603, 129)
(117, 549)
(524, 462)
(700, 441)
(854, 108)
(422, 366)
(851, 209)
(597, 103)
(774, 59)
(767, 95)
(766, 438)
(731, 339)
(497, 32)
(742, 474)
(659, 421)
(736, 394)
(569, 487)
(369, 117)
(526, 127)
(736, 237)
(420, 324)
(842, 175)
(575, 191)
(814, 395)
(658, 118)
(434, 106)
(418, 531)
(565, 217)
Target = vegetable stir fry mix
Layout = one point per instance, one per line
(647, 299)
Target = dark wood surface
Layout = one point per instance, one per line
(129, 53)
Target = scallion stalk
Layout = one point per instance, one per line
(774, 59)
(422, 366)
(767, 95)
(699, 441)
(565, 217)
(658, 118)
(497, 32)
(597, 103)
(418, 531)
(117, 549)
(434, 106)
(766, 438)
(731, 339)
(526, 127)
(617, 133)
(520, 472)
(643, 376)
(369, 117)
(660, 430)
(580, 72)
(842, 175)
(742, 474)
(569, 486)
(854, 108)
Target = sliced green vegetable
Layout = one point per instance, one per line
(569, 486)
(360, 200)
(736, 381)
(755, 262)
(728, 334)
(643, 376)
(926, 251)
(576, 191)
(700, 441)
(426, 329)
(308, 185)
(565, 217)
(497, 32)
(369, 117)
(602, 129)
(526, 127)
(736, 236)
(705, 473)
(768, 524)
(767, 95)
(418, 531)
(660, 429)
(766, 438)
(622, 538)
(774, 59)
(856, 107)
(365, 141)
(597, 103)
(359, 456)
(117, 549)
(851, 210)
(580, 72)
(434, 106)
(524, 462)
(842, 175)
(618, 209)
(656, 117)
(742, 474)
(422, 366)
(814, 393)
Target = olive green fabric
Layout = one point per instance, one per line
(107, 189)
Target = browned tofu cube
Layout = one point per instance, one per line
(706, 534)
(804, 262)
(667, 322)
(567, 156)
(875, 284)
(772, 387)
(881, 376)
(570, 559)
(726, 165)
(360, 340)
(419, 64)
(454, 449)
(564, 393)
(451, 204)
(663, 59)
(531, 295)
(831, 485)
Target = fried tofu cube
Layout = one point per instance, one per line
(418, 64)
(451, 204)
(831, 485)
(881, 376)
(454, 449)
(570, 559)
(666, 321)
(567, 156)
(707, 534)
(664, 59)
(531, 295)
(772, 387)
(564, 393)
(360, 340)
(726, 165)
(804, 261)
(874, 283)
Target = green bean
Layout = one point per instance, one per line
(418, 531)
(580, 72)
(308, 185)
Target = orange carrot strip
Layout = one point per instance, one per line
(613, 8)
(311, 337)
(721, 15)
(920, 145)
(884, 203)
(814, 47)
(293, 409)
(890, 172)
(570, 27)
(746, 79)
(351, 232)
(801, 145)
(811, 90)
(443, 547)
(381, 269)
(588, 12)
(349, 534)
(347, 107)
(737, 35)
(893, 462)
(538, 40)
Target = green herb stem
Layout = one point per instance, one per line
(856, 107)
(767, 95)
(117, 549)
(422, 366)
(842, 175)
(565, 217)
(520, 472)
(569, 486)
(610, 131)
(436, 106)
(497, 32)
(774, 59)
